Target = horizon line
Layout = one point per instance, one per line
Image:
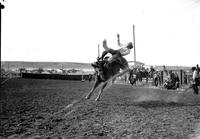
(89, 63)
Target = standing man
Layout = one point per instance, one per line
(195, 80)
(165, 74)
(198, 70)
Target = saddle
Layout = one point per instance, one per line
(106, 61)
(99, 63)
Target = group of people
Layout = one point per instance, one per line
(173, 80)
(136, 74)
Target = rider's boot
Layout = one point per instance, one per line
(95, 64)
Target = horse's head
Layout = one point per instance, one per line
(96, 69)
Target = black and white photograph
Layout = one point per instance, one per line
(100, 69)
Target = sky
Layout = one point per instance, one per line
(166, 31)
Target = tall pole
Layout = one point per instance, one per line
(118, 40)
(98, 51)
(134, 44)
(2, 7)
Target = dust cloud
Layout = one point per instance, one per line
(166, 96)
(151, 96)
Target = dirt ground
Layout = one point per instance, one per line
(34, 109)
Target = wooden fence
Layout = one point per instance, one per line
(56, 76)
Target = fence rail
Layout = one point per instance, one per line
(56, 76)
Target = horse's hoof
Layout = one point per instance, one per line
(87, 97)
(97, 99)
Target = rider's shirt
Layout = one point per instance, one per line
(124, 51)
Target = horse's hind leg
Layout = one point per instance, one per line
(100, 91)
(92, 90)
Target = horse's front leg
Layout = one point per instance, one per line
(101, 90)
(97, 82)
(113, 80)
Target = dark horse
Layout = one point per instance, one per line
(111, 71)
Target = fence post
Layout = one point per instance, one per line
(181, 74)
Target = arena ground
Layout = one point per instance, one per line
(34, 108)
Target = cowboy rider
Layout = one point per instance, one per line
(116, 54)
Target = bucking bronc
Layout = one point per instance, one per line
(108, 68)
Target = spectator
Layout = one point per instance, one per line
(152, 70)
(165, 70)
(173, 81)
(185, 79)
(90, 77)
(194, 80)
(159, 79)
(165, 73)
(155, 78)
(198, 69)
(177, 84)
(146, 73)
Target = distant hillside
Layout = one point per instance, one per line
(54, 65)
(67, 65)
